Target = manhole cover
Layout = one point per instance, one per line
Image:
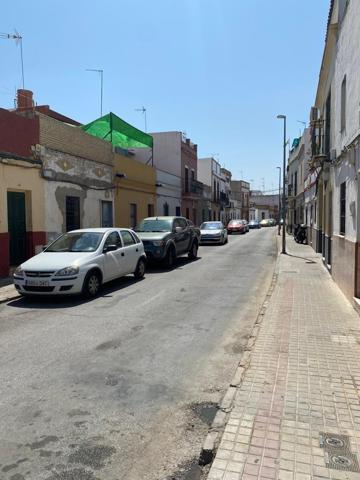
(348, 462)
(341, 461)
(334, 442)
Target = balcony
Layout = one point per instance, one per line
(194, 188)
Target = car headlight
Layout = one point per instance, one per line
(64, 272)
(19, 272)
(158, 243)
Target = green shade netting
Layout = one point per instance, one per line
(121, 134)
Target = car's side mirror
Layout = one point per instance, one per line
(178, 229)
(110, 248)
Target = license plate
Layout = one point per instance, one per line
(37, 283)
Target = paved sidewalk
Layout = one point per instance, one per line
(7, 293)
(303, 381)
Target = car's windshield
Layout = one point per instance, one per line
(234, 222)
(76, 242)
(154, 225)
(211, 226)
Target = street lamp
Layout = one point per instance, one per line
(283, 117)
(279, 226)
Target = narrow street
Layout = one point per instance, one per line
(123, 387)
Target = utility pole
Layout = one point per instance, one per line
(143, 110)
(283, 117)
(101, 85)
(18, 40)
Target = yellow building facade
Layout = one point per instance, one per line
(135, 191)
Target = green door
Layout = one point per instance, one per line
(16, 227)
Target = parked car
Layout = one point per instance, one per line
(254, 224)
(265, 223)
(245, 222)
(236, 226)
(166, 238)
(272, 222)
(81, 261)
(213, 232)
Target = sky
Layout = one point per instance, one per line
(219, 70)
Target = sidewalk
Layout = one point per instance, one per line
(7, 290)
(302, 384)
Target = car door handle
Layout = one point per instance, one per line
(122, 254)
(137, 249)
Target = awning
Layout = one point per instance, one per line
(116, 131)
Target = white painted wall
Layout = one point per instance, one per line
(169, 192)
(205, 171)
(347, 62)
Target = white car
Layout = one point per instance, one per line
(80, 261)
(213, 232)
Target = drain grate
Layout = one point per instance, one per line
(338, 455)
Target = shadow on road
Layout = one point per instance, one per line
(181, 262)
(58, 301)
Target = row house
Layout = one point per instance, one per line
(240, 192)
(53, 179)
(335, 156)
(263, 206)
(209, 172)
(298, 169)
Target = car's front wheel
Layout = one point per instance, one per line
(193, 251)
(92, 284)
(140, 269)
(170, 258)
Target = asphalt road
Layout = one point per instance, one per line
(123, 386)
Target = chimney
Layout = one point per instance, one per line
(24, 99)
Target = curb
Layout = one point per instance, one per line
(212, 440)
(10, 296)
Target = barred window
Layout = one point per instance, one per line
(342, 208)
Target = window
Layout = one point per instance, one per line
(178, 211)
(150, 210)
(106, 214)
(262, 215)
(214, 190)
(166, 209)
(72, 213)
(113, 239)
(343, 105)
(135, 237)
(127, 238)
(186, 179)
(192, 175)
(295, 184)
(187, 213)
(342, 208)
(133, 215)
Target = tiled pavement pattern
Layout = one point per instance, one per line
(303, 379)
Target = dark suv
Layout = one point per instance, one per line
(166, 238)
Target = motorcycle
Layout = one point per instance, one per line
(300, 235)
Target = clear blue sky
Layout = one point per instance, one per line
(220, 70)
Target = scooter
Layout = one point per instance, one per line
(300, 234)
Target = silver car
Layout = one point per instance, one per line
(213, 232)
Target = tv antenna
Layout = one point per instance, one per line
(18, 41)
(101, 85)
(142, 110)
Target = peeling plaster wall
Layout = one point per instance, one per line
(68, 175)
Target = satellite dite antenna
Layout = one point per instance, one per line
(143, 110)
(101, 85)
(18, 41)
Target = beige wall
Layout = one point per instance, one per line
(25, 177)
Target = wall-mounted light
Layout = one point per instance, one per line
(158, 184)
(120, 175)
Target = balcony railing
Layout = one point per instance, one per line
(195, 187)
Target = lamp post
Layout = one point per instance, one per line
(283, 117)
(279, 226)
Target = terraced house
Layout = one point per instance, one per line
(335, 162)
